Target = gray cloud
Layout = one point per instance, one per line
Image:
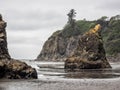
(31, 22)
(110, 5)
(34, 20)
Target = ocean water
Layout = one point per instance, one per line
(53, 73)
(55, 70)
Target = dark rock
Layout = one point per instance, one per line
(90, 53)
(14, 69)
(3, 40)
(9, 68)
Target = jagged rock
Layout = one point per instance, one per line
(14, 69)
(90, 53)
(3, 40)
(9, 68)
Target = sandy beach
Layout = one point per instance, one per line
(66, 84)
(56, 78)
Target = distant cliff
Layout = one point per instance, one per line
(63, 43)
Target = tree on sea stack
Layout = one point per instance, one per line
(71, 16)
(71, 28)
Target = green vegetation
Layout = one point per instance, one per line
(110, 31)
(71, 27)
(68, 31)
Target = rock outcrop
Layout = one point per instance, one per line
(9, 68)
(3, 40)
(15, 69)
(58, 48)
(90, 53)
(63, 43)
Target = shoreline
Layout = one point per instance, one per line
(49, 82)
(61, 84)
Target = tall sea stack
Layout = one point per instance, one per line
(4, 54)
(11, 68)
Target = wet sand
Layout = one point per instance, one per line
(54, 77)
(62, 84)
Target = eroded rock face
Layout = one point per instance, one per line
(58, 48)
(9, 68)
(90, 52)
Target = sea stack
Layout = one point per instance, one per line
(3, 40)
(90, 52)
(10, 68)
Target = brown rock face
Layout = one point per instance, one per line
(9, 68)
(58, 48)
(90, 53)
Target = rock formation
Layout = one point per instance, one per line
(14, 69)
(63, 43)
(9, 68)
(3, 42)
(57, 48)
(90, 53)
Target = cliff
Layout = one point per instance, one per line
(63, 43)
(57, 47)
(10, 68)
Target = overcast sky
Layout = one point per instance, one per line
(31, 22)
